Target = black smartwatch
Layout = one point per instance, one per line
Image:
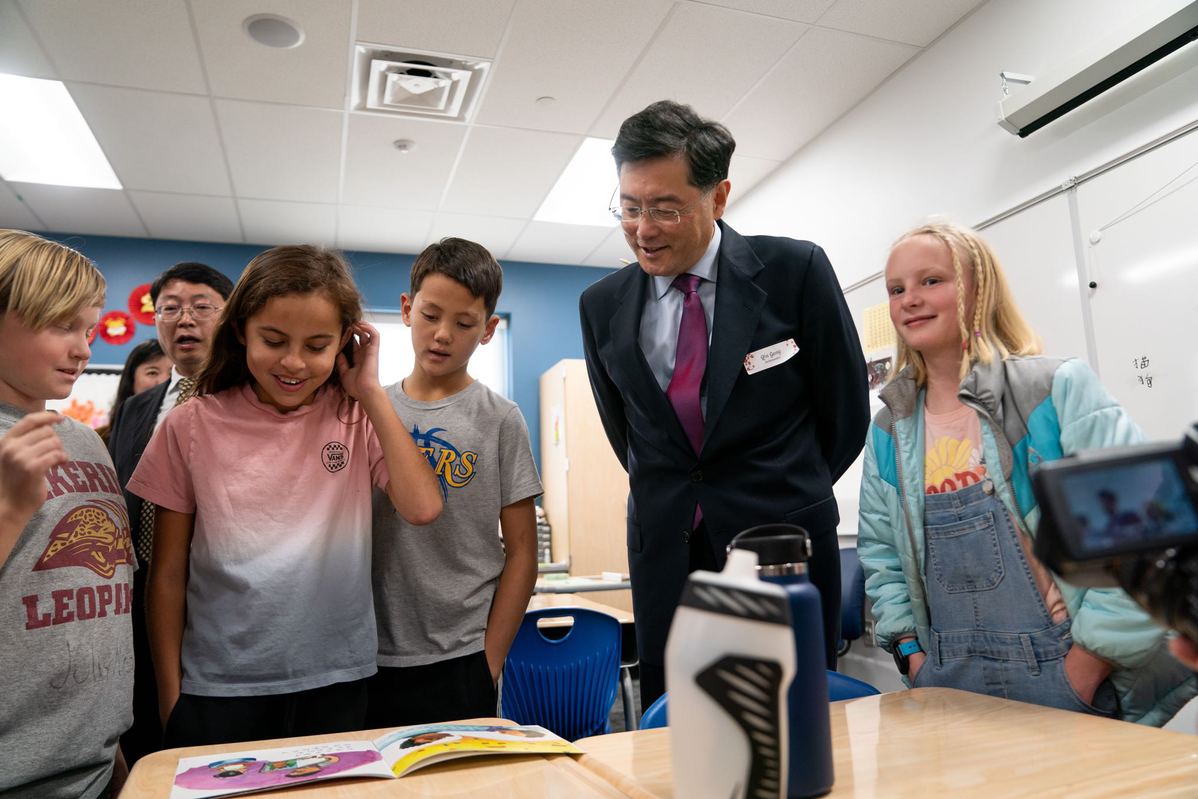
(903, 653)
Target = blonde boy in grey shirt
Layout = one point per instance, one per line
(449, 596)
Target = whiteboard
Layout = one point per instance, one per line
(1035, 248)
(1140, 226)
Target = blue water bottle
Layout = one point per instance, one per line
(782, 554)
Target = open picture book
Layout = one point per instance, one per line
(393, 755)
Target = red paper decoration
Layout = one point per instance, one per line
(140, 304)
(116, 327)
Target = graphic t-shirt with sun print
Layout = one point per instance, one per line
(953, 460)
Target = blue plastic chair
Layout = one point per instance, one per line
(565, 683)
(840, 687)
(852, 599)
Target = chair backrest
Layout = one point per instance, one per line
(852, 595)
(565, 683)
(840, 687)
(657, 713)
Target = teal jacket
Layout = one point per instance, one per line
(1031, 410)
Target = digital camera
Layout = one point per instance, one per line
(1127, 517)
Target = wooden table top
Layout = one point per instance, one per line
(931, 742)
(539, 601)
(506, 776)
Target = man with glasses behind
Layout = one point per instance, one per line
(727, 371)
(188, 299)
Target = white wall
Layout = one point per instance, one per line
(926, 142)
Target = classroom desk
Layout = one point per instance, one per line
(628, 658)
(573, 584)
(507, 776)
(942, 742)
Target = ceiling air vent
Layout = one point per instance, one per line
(415, 83)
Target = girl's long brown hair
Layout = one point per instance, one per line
(294, 269)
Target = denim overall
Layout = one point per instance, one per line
(990, 630)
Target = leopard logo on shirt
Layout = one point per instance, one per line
(94, 536)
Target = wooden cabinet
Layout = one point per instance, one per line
(586, 488)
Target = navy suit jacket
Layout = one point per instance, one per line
(774, 441)
(128, 436)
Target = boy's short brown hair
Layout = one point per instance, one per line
(44, 282)
(468, 263)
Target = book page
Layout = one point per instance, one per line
(232, 773)
(409, 748)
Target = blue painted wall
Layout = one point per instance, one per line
(541, 300)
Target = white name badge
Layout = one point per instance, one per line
(772, 355)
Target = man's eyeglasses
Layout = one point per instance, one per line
(662, 216)
(198, 311)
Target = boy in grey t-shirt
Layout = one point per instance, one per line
(449, 596)
(66, 563)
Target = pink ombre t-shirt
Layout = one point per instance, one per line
(278, 593)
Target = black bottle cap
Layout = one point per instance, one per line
(775, 544)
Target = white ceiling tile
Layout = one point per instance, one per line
(382, 229)
(797, 10)
(279, 152)
(549, 242)
(575, 52)
(379, 175)
(156, 141)
(495, 233)
(67, 209)
(20, 54)
(272, 223)
(146, 44)
(312, 73)
(825, 75)
(745, 173)
(683, 64)
(188, 216)
(14, 213)
(612, 253)
(913, 23)
(509, 172)
(455, 27)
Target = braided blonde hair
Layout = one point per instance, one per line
(998, 328)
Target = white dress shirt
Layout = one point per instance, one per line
(663, 314)
(169, 399)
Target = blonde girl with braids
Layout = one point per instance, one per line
(947, 511)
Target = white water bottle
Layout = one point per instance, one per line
(730, 658)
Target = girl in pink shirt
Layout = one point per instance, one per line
(259, 600)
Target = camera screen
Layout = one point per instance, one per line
(1128, 505)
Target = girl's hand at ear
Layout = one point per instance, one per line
(362, 377)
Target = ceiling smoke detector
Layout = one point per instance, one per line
(415, 83)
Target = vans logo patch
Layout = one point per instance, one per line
(334, 456)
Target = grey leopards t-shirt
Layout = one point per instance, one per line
(433, 584)
(66, 643)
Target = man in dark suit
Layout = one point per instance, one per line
(727, 371)
(188, 299)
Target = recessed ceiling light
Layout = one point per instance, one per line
(45, 139)
(545, 101)
(272, 30)
(404, 145)
(581, 194)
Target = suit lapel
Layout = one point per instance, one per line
(738, 304)
(625, 331)
(149, 416)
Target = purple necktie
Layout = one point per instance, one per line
(690, 364)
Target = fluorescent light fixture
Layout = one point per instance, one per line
(581, 194)
(44, 138)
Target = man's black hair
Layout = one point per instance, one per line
(193, 272)
(667, 128)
